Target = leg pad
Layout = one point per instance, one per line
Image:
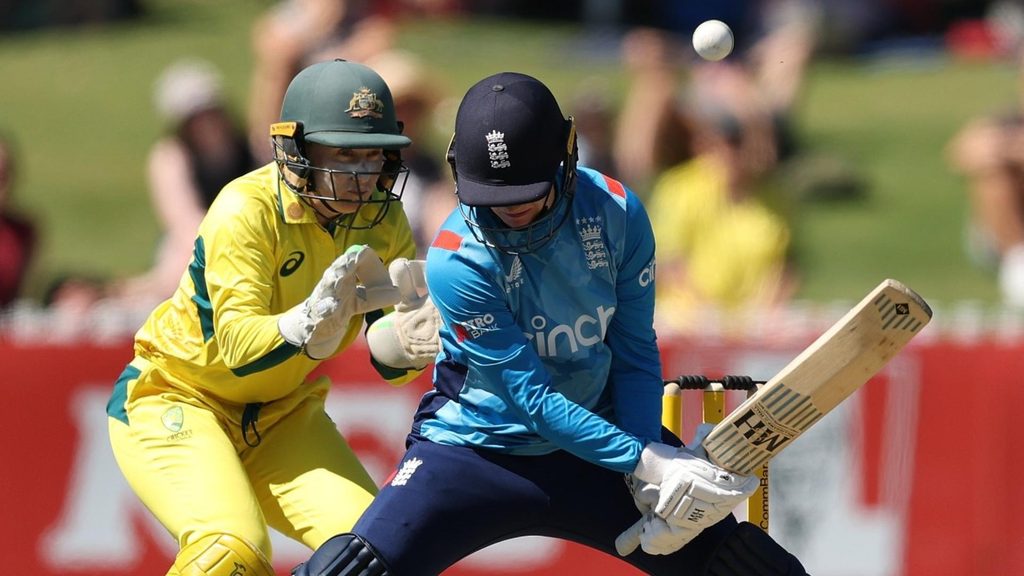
(221, 555)
(342, 555)
(749, 551)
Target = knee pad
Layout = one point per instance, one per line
(750, 550)
(221, 555)
(342, 555)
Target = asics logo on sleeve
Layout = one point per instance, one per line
(292, 263)
(585, 331)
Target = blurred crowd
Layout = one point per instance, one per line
(711, 147)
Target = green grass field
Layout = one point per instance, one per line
(79, 103)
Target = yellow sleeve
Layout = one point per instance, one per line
(237, 235)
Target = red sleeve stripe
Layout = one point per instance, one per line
(447, 240)
(614, 186)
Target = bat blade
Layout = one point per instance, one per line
(827, 372)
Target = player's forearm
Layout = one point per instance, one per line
(576, 429)
(246, 340)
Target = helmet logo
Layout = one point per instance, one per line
(365, 103)
(497, 150)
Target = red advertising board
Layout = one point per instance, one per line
(916, 476)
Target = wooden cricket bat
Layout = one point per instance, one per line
(827, 372)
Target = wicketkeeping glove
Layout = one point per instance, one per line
(407, 338)
(355, 283)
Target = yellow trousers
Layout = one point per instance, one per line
(192, 465)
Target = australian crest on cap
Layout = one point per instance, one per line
(365, 103)
(497, 150)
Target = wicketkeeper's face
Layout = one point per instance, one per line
(344, 177)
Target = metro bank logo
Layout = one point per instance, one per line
(473, 327)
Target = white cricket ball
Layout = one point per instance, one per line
(713, 40)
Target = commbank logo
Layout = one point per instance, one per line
(292, 263)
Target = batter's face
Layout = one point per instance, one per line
(354, 173)
(522, 215)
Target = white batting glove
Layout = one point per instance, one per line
(654, 536)
(408, 337)
(670, 521)
(693, 492)
(645, 494)
(355, 283)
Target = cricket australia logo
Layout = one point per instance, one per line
(405, 473)
(514, 278)
(173, 418)
(593, 245)
(365, 103)
(497, 150)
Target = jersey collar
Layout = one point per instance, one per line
(291, 207)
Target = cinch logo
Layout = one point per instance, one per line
(292, 263)
(647, 274)
(584, 331)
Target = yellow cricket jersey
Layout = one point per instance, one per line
(732, 248)
(259, 252)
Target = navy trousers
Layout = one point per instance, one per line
(447, 502)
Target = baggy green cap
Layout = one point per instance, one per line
(344, 105)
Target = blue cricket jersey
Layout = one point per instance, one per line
(552, 349)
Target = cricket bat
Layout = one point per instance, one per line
(827, 372)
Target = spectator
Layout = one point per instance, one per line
(595, 125)
(720, 245)
(203, 150)
(296, 33)
(706, 148)
(17, 233)
(989, 152)
(758, 85)
(646, 141)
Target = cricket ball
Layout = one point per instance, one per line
(713, 40)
